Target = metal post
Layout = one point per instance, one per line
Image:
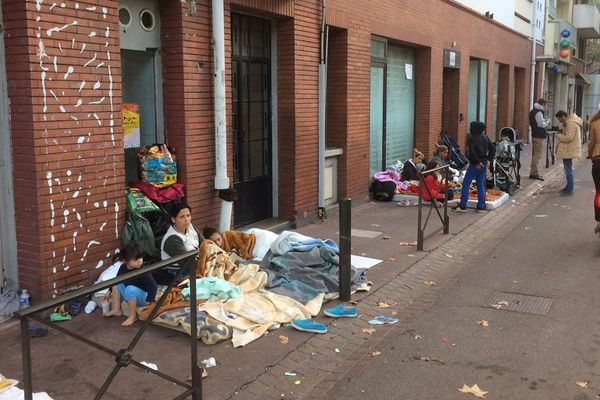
(446, 218)
(196, 373)
(26, 358)
(345, 246)
(419, 230)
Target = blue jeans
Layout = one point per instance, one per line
(479, 175)
(568, 166)
(131, 292)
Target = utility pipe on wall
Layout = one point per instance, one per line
(221, 178)
(533, 44)
(322, 105)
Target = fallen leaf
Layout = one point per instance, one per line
(394, 313)
(386, 237)
(483, 323)
(474, 390)
(503, 303)
(392, 258)
(496, 306)
(297, 382)
(448, 255)
(432, 359)
(540, 216)
(417, 337)
(375, 354)
(430, 283)
(283, 339)
(582, 384)
(363, 254)
(527, 228)
(383, 304)
(374, 224)
(368, 331)
(408, 243)
(410, 255)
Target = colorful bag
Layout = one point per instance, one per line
(161, 196)
(139, 202)
(158, 165)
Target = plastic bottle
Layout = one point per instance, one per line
(24, 299)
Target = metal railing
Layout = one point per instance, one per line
(123, 357)
(434, 205)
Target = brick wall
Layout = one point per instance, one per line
(63, 70)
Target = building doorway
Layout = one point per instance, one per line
(450, 102)
(9, 277)
(252, 133)
(141, 73)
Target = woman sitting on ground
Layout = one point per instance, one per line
(412, 167)
(137, 292)
(441, 156)
(181, 236)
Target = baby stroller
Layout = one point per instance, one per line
(457, 158)
(506, 165)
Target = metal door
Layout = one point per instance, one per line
(252, 141)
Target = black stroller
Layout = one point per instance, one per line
(457, 158)
(507, 164)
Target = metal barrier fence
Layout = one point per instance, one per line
(434, 205)
(123, 357)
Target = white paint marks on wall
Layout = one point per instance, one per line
(91, 60)
(100, 264)
(116, 220)
(50, 31)
(70, 70)
(103, 225)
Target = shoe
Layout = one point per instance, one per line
(562, 190)
(459, 209)
(481, 210)
(36, 330)
(308, 325)
(565, 194)
(536, 176)
(341, 311)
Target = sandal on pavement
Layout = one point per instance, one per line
(308, 325)
(341, 311)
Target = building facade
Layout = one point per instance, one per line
(396, 77)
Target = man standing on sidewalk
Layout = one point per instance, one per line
(539, 133)
(569, 146)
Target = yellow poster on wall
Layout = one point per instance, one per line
(131, 125)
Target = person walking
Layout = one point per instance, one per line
(539, 134)
(569, 146)
(594, 154)
(480, 152)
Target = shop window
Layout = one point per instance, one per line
(477, 90)
(392, 104)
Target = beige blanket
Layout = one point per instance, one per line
(256, 310)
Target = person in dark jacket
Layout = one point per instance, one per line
(480, 152)
(539, 134)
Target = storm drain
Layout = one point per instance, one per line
(520, 303)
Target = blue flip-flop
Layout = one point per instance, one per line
(341, 311)
(308, 325)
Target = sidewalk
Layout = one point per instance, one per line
(75, 371)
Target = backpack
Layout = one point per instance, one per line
(138, 228)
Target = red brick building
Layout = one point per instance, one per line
(399, 73)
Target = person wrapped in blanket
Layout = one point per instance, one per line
(137, 292)
(434, 184)
(180, 238)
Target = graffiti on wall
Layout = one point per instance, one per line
(76, 81)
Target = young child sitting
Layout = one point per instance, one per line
(136, 292)
(433, 184)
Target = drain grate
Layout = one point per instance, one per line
(520, 303)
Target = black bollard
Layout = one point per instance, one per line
(345, 246)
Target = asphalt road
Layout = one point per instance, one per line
(553, 254)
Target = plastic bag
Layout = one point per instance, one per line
(158, 165)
